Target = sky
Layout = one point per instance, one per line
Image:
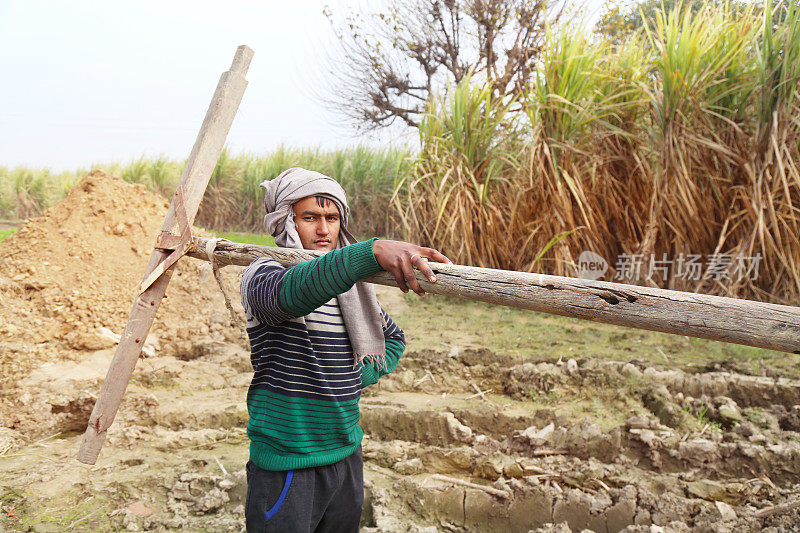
(84, 82)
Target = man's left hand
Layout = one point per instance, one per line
(400, 258)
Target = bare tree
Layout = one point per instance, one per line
(391, 60)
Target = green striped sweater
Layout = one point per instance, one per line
(303, 400)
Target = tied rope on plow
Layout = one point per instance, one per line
(211, 245)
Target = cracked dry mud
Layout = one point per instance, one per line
(174, 458)
(561, 443)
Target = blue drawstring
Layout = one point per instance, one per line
(286, 485)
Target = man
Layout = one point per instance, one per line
(317, 337)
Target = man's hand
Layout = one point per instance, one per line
(400, 258)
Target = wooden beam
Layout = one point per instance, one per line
(764, 325)
(182, 211)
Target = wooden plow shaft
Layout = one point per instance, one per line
(764, 325)
(180, 216)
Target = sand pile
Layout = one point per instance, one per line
(74, 270)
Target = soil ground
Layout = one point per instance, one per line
(577, 425)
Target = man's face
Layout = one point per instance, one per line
(317, 225)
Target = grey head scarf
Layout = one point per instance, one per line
(360, 310)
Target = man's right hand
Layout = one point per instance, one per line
(400, 258)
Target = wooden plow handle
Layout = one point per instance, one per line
(180, 216)
(764, 325)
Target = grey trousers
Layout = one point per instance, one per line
(310, 500)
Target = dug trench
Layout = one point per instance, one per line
(461, 437)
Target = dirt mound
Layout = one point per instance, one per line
(73, 271)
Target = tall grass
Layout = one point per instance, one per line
(683, 140)
(585, 112)
(700, 127)
(233, 199)
(465, 158)
(26, 192)
(774, 166)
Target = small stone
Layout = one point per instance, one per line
(409, 467)
(462, 457)
(88, 341)
(630, 371)
(638, 422)
(535, 436)
(457, 430)
(642, 518)
(730, 414)
(706, 489)
(701, 451)
(589, 431)
(489, 468)
(769, 421)
(129, 521)
(502, 484)
(600, 502)
(726, 511)
(213, 499)
(180, 491)
(513, 470)
(648, 437)
(227, 484)
(572, 366)
(528, 433)
(746, 429)
(544, 433)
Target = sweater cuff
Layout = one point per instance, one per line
(369, 376)
(362, 259)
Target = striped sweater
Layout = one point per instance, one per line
(303, 400)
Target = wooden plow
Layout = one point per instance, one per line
(763, 325)
(174, 240)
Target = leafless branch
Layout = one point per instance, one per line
(392, 60)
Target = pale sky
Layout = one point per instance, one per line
(85, 81)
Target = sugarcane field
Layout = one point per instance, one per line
(408, 266)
